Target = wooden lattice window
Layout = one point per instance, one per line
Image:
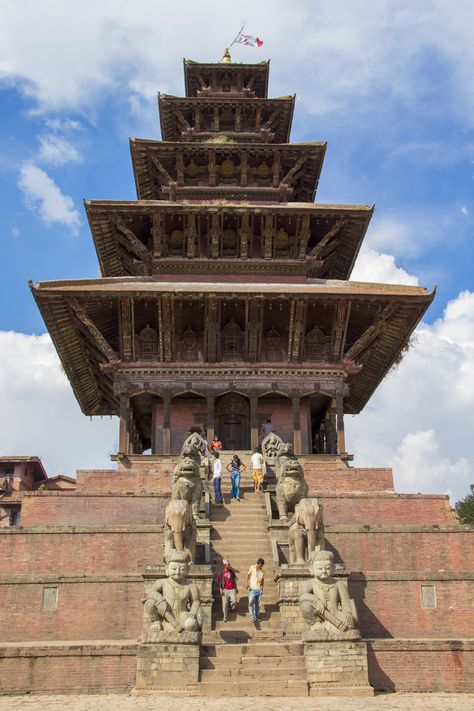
(232, 341)
(148, 344)
(317, 345)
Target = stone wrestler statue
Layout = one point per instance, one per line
(325, 603)
(174, 602)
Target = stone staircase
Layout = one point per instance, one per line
(240, 657)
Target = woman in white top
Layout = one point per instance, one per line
(216, 478)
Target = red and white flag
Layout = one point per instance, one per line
(248, 40)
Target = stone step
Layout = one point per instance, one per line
(261, 674)
(255, 663)
(254, 649)
(229, 688)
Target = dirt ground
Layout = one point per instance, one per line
(119, 702)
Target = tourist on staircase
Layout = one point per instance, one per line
(216, 479)
(235, 467)
(258, 465)
(227, 581)
(255, 580)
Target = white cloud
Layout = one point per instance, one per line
(464, 210)
(420, 420)
(39, 414)
(56, 150)
(338, 54)
(378, 267)
(43, 195)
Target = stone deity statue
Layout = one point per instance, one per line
(325, 603)
(174, 602)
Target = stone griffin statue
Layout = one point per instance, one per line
(291, 485)
(187, 482)
(180, 529)
(173, 604)
(325, 603)
(306, 532)
(196, 443)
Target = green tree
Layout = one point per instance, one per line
(465, 508)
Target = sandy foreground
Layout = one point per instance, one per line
(121, 702)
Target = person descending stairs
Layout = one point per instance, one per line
(239, 652)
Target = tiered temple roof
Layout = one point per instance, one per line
(224, 269)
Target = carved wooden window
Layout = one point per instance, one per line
(176, 243)
(148, 344)
(227, 119)
(229, 243)
(317, 345)
(232, 341)
(282, 244)
(272, 341)
(189, 342)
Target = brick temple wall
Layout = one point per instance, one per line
(414, 548)
(77, 509)
(79, 551)
(385, 508)
(67, 669)
(421, 665)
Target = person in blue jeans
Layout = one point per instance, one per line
(235, 467)
(255, 580)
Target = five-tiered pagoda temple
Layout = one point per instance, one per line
(225, 298)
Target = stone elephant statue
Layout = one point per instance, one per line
(291, 485)
(187, 483)
(180, 529)
(306, 534)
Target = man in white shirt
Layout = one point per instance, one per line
(216, 479)
(255, 580)
(258, 465)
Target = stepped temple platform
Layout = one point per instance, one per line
(224, 308)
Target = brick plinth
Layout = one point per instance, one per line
(82, 667)
(385, 508)
(421, 664)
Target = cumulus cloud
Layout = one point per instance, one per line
(43, 196)
(39, 414)
(56, 150)
(345, 54)
(378, 267)
(421, 418)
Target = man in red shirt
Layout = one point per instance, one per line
(227, 581)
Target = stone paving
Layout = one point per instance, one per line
(121, 702)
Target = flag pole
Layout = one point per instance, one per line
(237, 35)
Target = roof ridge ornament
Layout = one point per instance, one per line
(226, 58)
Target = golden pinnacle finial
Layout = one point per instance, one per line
(226, 59)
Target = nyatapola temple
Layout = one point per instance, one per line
(224, 308)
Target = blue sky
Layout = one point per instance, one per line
(389, 85)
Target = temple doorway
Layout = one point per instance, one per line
(233, 421)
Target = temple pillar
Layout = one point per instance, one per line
(296, 425)
(166, 423)
(124, 438)
(211, 417)
(253, 422)
(331, 441)
(341, 439)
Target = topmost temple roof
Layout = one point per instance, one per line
(206, 79)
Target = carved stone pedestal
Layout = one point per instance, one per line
(336, 667)
(167, 660)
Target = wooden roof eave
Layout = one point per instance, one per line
(364, 386)
(361, 240)
(189, 64)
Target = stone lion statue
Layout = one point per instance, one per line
(291, 485)
(187, 482)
